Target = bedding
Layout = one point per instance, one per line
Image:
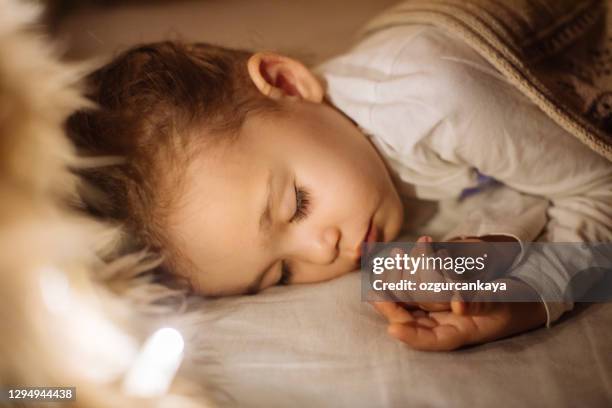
(556, 52)
(320, 345)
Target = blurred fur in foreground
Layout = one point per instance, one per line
(73, 312)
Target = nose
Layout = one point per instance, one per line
(319, 247)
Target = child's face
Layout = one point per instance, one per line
(308, 155)
(217, 225)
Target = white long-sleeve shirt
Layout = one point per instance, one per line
(440, 114)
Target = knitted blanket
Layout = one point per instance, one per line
(557, 52)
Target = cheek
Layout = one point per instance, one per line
(354, 186)
(360, 169)
(343, 168)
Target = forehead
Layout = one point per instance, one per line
(218, 182)
(215, 221)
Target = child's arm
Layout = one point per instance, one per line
(575, 186)
(438, 111)
(442, 112)
(556, 189)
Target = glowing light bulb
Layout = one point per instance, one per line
(156, 364)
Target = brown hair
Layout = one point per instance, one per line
(151, 100)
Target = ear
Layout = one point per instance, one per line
(278, 77)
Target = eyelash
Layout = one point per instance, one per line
(302, 208)
(285, 274)
(302, 198)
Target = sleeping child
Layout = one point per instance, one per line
(246, 170)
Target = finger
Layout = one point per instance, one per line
(393, 312)
(447, 274)
(421, 316)
(437, 338)
(434, 306)
(428, 301)
(419, 313)
(409, 305)
(396, 251)
(472, 308)
(462, 308)
(480, 308)
(423, 246)
(426, 322)
(392, 276)
(458, 307)
(388, 275)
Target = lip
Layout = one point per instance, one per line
(370, 236)
(372, 233)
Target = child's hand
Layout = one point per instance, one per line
(422, 246)
(467, 323)
(497, 264)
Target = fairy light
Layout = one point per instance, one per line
(155, 366)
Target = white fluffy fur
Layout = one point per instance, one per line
(38, 231)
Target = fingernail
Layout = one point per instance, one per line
(458, 307)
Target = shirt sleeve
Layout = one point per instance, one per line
(563, 190)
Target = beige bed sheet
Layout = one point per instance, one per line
(320, 345)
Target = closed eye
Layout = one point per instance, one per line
(302, 209)
(286, 274)
(302, 204)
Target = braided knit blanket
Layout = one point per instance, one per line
(557, 52)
